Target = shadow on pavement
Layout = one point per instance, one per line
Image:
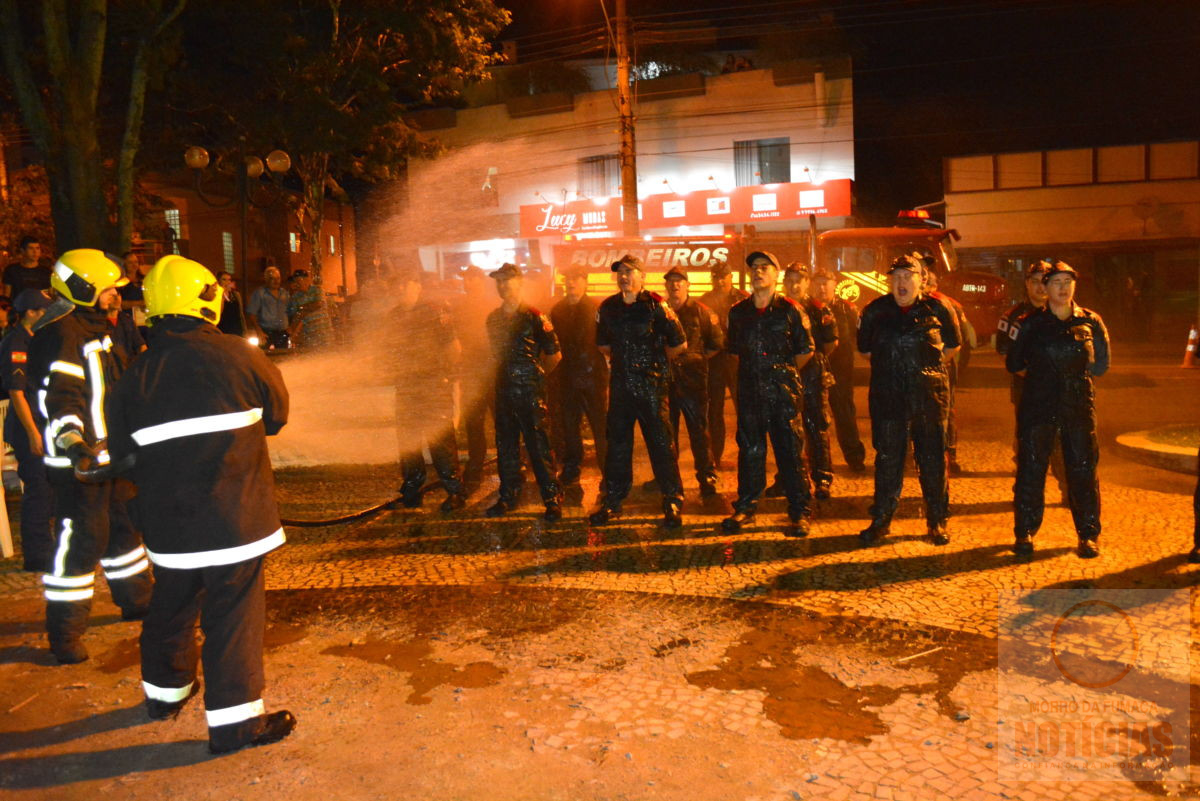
(26, 654)
(56, 770)
(72, 730)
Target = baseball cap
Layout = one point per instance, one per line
(1038, 269)
(676, 272)
(30, 299)
(762, 254)
(628, 259)
(912, 263)
(1058, 268)
(506, 272)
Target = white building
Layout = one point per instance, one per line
(789, 129)
(1127, 217)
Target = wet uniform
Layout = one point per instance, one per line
(519, 340)
(196, 409)
(477, 376)
(909, 398)
(74, 363)
(1060, 358)
(722, 369)
(638, 334)
(816, 394)
(579, 385)
(841, 394)
(37, 541)
(421, 338)
(770, 405)
(960, 319)
(689, 386)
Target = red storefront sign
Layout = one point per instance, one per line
(746, 204)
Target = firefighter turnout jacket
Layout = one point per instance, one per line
(206, 493)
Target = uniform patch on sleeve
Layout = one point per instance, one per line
(547, 326)
(19, 357)
(1012, 331)
(1002, 325)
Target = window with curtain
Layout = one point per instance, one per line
(762, 161)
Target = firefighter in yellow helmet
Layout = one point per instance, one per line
(195, 411)
(72, 366)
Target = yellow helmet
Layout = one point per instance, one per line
(81, 275)
(176, 285)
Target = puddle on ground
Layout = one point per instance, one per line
(125, 654)
(804, 701)
(425, 672)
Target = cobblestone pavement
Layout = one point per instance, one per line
(628, 661)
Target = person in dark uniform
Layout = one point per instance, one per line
(579, 385)
(425, 352)
(814, 378)
(74, 363)
(689, 375)
(965, 335)
(22, 432)
(908, 337)
(525, 350)
(1194, 555)
(722, 368)
(1060, 349)
(1006, 332)
(841, 367)
(770, 336)
(639, 333)
(193, 414)
(477, 373)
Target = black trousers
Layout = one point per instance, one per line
(951, 415)
(689, 399)
(927, 430)
(475, 409)
(37, 505)
(845, 419)
(1081, 453)
(571, 405)
(229, 604)
(816, 430)
(646, 406)
(722, 378)
(1057, 469)
(434, 407)
(1196, 506)
(521, 415)
(93, 526)
(777, 419)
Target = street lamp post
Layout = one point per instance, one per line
(249, 170)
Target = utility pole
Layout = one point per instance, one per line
(629, 191)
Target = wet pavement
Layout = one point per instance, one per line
(525, 659)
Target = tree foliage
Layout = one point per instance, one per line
(328, 82)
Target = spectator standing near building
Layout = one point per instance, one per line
(133, 302)
(309, 323)
(194, 413)
(689, 375)
(722, 369)
(22, 432)
(525, 349)
(1060, 349)
(841, 366)
(770, 336)
(639, 333)
(909, 337)
(424, 351)
(74, 362)
(579, 385)
(233, 319)
(267, 311)
(477, 374)
(27, 272)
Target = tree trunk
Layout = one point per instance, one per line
(314, 172)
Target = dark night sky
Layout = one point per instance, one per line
(938, 78)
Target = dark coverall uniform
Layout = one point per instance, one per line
(1060, 358)
(37, 542)
(722, 370)
(196, 409)
(421, 336)
(74, 364)
(579, 385)
(816, 393)
(770, 400)
(639, 334)
(689, 386)
(909, 398)
(1006, 331)
(477, 375)
(518, 341)
(841, 394)
(960, 318)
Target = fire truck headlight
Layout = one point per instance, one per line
(253, 341)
